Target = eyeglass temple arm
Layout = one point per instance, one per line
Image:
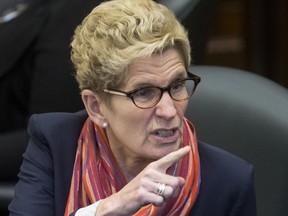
(114, 92)
(197, 79)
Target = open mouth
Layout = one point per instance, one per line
(165, 133)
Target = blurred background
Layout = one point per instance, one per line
(251, 35)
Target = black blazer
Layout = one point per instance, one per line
(44, 179)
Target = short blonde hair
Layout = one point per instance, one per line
(117, 32)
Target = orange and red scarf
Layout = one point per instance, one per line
(96, 174)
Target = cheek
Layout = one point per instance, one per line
(136, 122)
(181, 108)
(130, 120)
(130, 130)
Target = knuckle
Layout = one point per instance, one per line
(174, 183)
(149, 172)
(152, 165)
(169, 191)
(141, 198)
(158, 201)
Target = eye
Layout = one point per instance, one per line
(145, 94)
(178, 86)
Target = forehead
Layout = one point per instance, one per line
(158, 68)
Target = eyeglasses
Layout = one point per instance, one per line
(147, 97)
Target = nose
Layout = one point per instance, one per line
(166, 107)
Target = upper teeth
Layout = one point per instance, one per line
(165, 133)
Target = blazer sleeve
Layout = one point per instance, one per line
(34, 192)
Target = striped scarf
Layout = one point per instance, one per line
(96, 174)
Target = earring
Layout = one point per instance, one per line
(105, 125)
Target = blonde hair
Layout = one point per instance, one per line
(117, 32)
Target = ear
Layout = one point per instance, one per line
(93, 104)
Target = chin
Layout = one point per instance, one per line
(165, 149)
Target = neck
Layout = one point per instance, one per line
(129, 164)
(131, 169)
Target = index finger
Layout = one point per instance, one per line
(169, 159)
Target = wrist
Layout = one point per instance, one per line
(109, 207)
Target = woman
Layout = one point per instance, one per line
(135, 153)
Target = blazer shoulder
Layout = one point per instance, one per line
(227, 184)
(52, 119)
(223, 159)
(47, 127)
(224, 170)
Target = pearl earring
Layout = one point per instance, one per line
(105, 125)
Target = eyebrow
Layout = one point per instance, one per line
(178, 76)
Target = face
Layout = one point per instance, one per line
(147, 134)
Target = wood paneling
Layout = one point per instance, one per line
(251, 35)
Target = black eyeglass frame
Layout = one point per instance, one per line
(130, 94)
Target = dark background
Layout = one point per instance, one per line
(251, 35)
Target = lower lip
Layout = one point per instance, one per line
(167, 139)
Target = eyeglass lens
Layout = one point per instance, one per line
(150, 96)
